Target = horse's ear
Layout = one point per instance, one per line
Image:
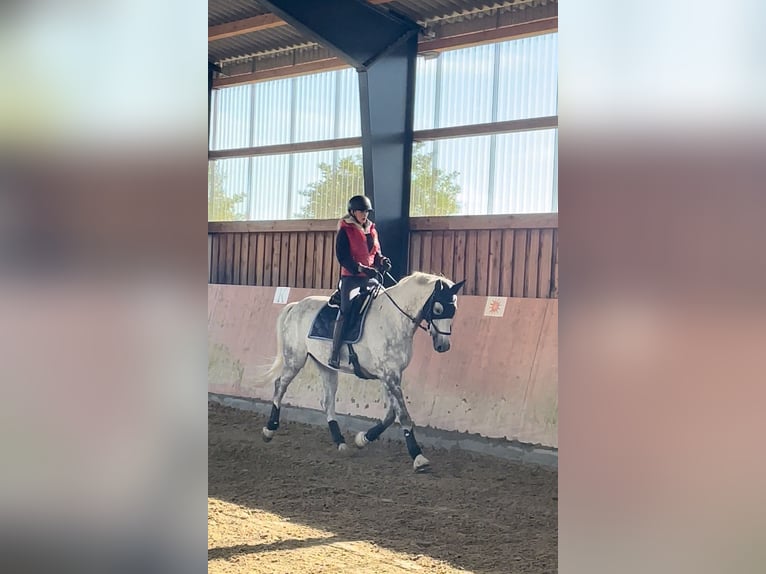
(456, 287)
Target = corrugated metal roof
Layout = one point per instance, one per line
(430, 13)
(424, 11)
(223, 11)
(261, 43)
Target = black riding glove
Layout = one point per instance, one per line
(369, 271)
(384, 265)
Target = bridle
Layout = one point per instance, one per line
(425, 314)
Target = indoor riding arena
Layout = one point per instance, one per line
(297, 505)
(444, 113)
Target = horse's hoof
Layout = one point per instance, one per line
(343, 448)
(267, 435)
(360, 440)
(421, 463)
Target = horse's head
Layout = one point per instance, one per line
(439, 311)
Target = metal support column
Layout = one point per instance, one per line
(382, 46)
(387, 92)
(211, 69)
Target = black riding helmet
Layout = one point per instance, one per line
(360, 203)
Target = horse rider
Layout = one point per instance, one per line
(358, 251)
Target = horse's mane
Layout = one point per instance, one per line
(419, 279)
(422, 278)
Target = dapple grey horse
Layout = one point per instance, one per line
(384, 350)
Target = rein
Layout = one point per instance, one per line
(403, 312)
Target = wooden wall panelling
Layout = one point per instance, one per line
(220, 255)
(292, 262)
(273, 226)
(472, 222)
(260, 258)
(416, 241)
(318, 260)
(229, 259)
(335, 275)
(546, 258)
(284, 261)
(470, 263)
(222, 259)
(310, 260)
(328, 257)
(533, 257)
(458, 261)
(425, 252)
(520, 238)
(252, 246)
(221, 272)
(268, 255)
(236, 258)
(437, 246)
(448, 255)
(276, 251)
(495, 261)
(496, 255)
(243, 257)
(209, 257)
(300, 267)
(482, 262)
(215, 239)
(506, 273)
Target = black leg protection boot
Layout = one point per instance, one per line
(336, 340)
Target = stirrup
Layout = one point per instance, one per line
(334, 364)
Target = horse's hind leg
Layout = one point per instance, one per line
(362, 439)
(330, 383)
(393, 384)
(280, 388)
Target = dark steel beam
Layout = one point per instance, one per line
(382, 47)
(211, 68)
(358, 31)
(387, 92)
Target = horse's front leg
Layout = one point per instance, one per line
(393, 382)
(362, 439)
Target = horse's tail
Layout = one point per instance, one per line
(279, 360)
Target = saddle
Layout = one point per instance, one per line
(324, 322)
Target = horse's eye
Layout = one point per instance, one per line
(438, 308)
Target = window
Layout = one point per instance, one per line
(511, 169)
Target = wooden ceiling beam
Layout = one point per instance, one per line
(513, 31)
(254, 24)
(325, 65)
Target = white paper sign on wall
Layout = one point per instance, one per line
(281, 295)
(495, 306)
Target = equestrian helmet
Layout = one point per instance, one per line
(360, 203)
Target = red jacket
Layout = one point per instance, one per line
(357, 242)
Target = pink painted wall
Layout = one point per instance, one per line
(499, 379)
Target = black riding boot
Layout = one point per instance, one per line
(336, 340)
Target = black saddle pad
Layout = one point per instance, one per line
(324, 322)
